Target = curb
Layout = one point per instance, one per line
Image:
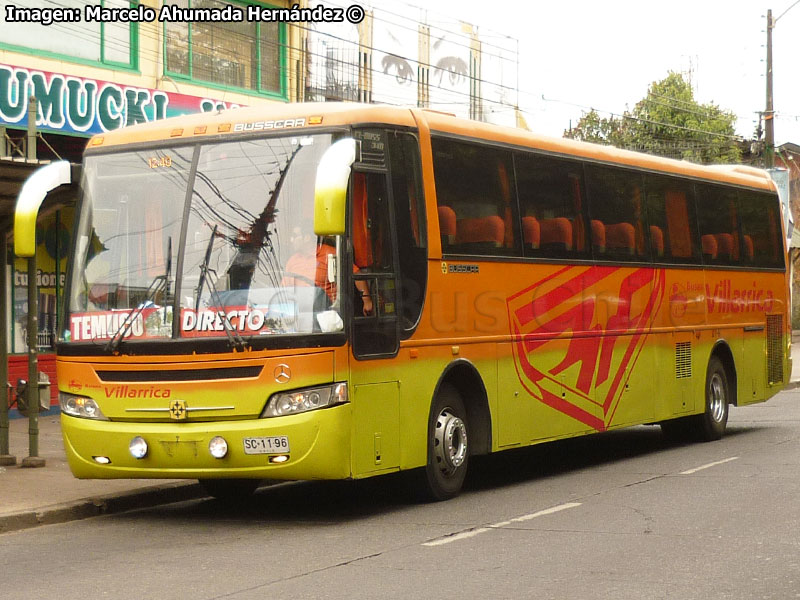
(101, 505)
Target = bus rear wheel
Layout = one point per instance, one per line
(711, 425)
(448, 447)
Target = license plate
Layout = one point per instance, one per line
(276, 444)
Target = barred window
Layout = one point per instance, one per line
(239, 54)
(106, 43)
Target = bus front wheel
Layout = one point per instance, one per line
(448, 446)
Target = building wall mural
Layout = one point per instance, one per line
(395, 58)
(450, 71)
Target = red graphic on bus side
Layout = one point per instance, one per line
(577, 317)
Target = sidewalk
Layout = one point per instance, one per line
(31, 497)
(50, 494)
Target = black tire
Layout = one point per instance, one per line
(711, 424)
(448, 447)
(230, 490)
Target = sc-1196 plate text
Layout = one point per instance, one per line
(276, 444)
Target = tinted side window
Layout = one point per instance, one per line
(718, 221)
(672, 222)
(409, 210)
(616, 207)
(474, 191)
(552, 206)
(761, 230)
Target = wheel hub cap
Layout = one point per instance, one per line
(451, 442)
(717, 398)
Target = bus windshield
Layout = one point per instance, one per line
(219, 234)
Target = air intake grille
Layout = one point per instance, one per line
(775, 348)
(683, 360)
(180, 375)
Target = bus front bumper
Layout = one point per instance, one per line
(319, 448)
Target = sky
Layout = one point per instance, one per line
(575, 55)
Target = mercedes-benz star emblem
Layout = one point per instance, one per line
(282, 373)
(178, 410)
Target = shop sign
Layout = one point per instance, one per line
(80, 105)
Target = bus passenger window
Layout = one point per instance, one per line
(409, 226)
(473, 184)
(372, 243)
(615, 197)
(551, 206)
(761, 230)
(717, 216)
(670, 214)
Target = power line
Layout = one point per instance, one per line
(122, 44)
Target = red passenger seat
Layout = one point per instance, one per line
(447, 225)
(657, 240)
(598, 236)
(531, 232)
(748, 248)
(556, 233)
(621, 236)
(726, 249)
(484, 230)
(709, 246)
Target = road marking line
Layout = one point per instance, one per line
(541, 513)
(473, 532)
(457, 537)
(708, 466)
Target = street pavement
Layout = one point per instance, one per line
(50, 494)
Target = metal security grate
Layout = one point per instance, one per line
(775, 348)
(683, 360)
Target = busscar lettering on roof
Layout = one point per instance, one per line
(267, 125)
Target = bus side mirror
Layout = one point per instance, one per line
(330, 190)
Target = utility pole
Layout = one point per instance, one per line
(769, 113)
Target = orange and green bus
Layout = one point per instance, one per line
(337, 291)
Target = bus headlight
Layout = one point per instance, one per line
(80, 406)
(297, 401)
(138, 447)
(218, 447)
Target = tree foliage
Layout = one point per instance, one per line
(668, 121)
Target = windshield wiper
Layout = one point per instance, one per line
(159, 283)
(167, 275)
(234, 338)
(204, 269)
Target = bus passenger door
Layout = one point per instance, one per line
(389, 262)
(374, 331)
